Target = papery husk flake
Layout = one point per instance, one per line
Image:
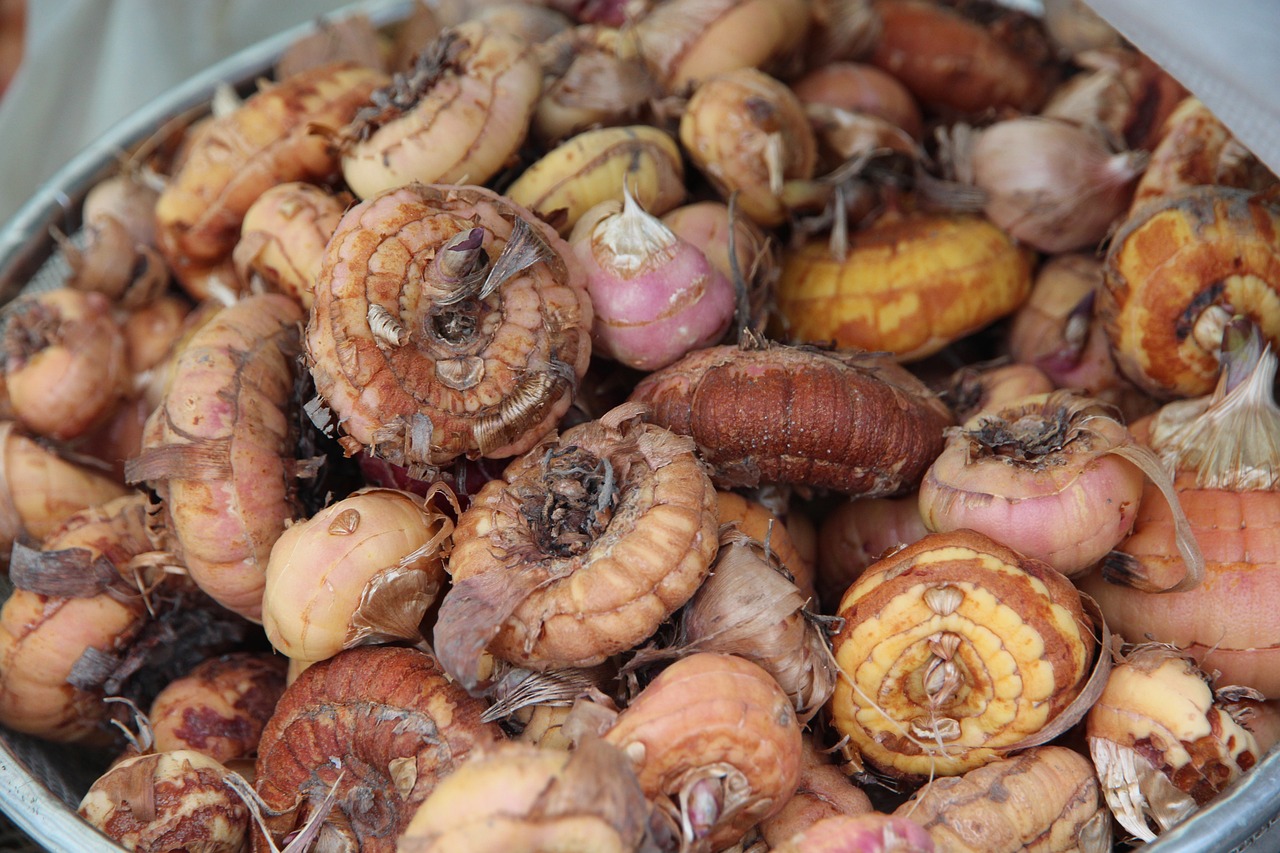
(1135, 790)
(1231, 438)
(749, 607)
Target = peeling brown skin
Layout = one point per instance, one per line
(1205, 775)
(359, 713)
(218, 449)
(403, 93)
(854, 423)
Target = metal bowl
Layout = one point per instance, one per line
(42, 783)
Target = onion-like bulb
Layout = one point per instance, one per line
(176, 800)
(1176, 271)
(1051, 184)
(65, 362)
(656, 296)
(362, 570)
(1041, 799)
(1055, 476)
(378, 719)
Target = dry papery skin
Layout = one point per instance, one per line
(749, 607)
(119, 257)
(583, 548)
(447, 321)
(848, 138)
(519, 797)
(957, 649)
(1105, 94)
(716, 745)
(593, 77)
(763, 525)
(219, 448)
(1052, 185)
(457, 116)
(381, 723)
(220, 707)
(851, 422)
(542, 707)
(168, 801)
(42, 638)
(267, 141)
(1045, 800)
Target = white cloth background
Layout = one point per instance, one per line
(90, 63)
(1227, 52)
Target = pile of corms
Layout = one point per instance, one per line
(658, 425)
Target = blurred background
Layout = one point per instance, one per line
(70, 69)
